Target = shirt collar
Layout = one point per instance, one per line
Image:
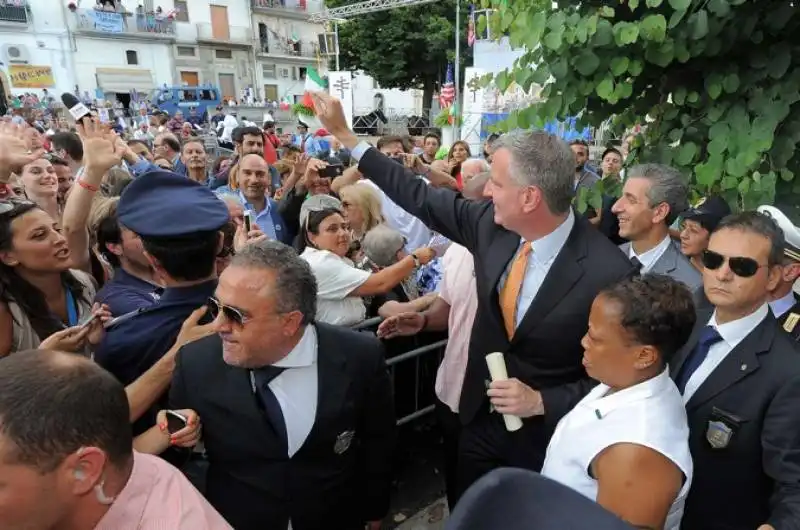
(126, 278)
(648, 258)
(782, 305)
(734, 332)
(197, 293)
(304, 353)
(129, 506)
(604, 404)
(249, 206)
(546, 248)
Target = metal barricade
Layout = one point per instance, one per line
(423, 397)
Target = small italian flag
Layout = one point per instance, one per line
(314, 83)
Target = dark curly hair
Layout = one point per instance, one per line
(655, 310)
(15, 288)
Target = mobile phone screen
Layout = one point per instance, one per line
(175, 422)
(247, 222)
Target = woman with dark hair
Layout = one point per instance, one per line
(43, 303)
(340, 285)
(626, 444)
(458, 154)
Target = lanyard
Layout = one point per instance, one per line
(72, 309)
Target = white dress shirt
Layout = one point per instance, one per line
(732, 334)
(650, 414)
(296, 389)
(649, 258)
(543, 253)
(782, 305)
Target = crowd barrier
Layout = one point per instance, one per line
(412, 363)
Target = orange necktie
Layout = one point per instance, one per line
(510, 291)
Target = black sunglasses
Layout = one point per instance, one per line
(740, 266)
(215, 307)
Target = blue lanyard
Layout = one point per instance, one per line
(72, 309)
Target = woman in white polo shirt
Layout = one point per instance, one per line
(626, 444)
(340, 285)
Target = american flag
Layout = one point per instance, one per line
(448, 93)
(471, 26)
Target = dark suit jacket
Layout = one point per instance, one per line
(545, 351)
(749, 408)
(250, 483)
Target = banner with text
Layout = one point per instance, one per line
(340, 84)
(30, 76)
(107, 22)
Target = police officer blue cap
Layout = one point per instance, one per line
(518, 499)
(165, 204)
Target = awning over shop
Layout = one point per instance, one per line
(123, 80)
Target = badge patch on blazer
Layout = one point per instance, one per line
(343, 442)
(719, 434)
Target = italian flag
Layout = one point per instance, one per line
(314, 83)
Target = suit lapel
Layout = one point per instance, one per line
(667, 262)
(237, 393)
(740, 362)
(562, 276)
(333, 382)
(681, 355)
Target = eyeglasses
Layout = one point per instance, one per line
(215, 307)
(740, 266)
(11, 204)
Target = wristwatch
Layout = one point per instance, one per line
(416, 260)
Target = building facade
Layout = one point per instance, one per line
(35, 49)
(287, 43)
(214, 45)
(121, 48)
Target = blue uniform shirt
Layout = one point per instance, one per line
(125, 293)
(133, 346)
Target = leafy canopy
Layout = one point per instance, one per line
(402, 48)
(717, 83)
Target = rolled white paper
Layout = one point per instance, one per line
(497, 369)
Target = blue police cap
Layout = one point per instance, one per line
(518, 499)
(165, 204)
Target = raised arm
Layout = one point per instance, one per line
(442, 210)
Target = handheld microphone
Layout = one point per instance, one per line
(77, 109)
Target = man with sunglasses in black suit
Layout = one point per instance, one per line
(298, 416)
(739, 374)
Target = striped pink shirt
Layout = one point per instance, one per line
(158, 497)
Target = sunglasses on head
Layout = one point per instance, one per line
(10, 204)
(740, 266)
(215, 307)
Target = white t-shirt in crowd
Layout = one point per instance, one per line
(336, 279)
(650, 414)
(416, 233)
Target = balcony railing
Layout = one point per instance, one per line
(109, 23)
(17, 14)
(301, 49)
(300, 7)
(235, 34)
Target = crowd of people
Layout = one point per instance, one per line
(176, 329)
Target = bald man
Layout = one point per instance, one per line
(253, 179)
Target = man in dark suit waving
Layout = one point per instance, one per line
(739, 374)
(298, 418)
(537, 270)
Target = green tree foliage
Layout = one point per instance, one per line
(717, 83)
(405, 48)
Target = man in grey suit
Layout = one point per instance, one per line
(652, 198)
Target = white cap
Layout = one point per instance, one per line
(790, 232)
